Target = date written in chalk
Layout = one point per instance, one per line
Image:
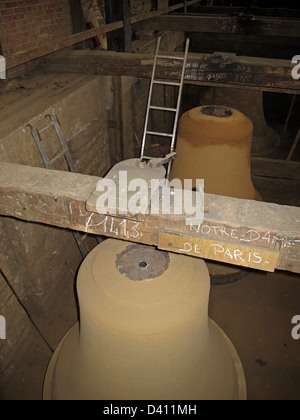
(150, 410)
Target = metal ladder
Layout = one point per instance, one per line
(151, 107)
(80, 239)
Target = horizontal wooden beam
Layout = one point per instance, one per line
(160, 11)
(239, 25)
(245, 45)
(274, 168)
(24, 57)
(210, 70)
(250, 11)
(251, 234)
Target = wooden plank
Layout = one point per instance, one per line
(277, 27)
(127, 25)
(60, 199)
(245, 45)
(294, 146)
(274, 168)
(162, 9)
(251, 11)
(278, 190)
(221, 69)
(221, 251)
(207, 69)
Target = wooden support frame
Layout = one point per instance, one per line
(219, 69)
(127, 25)
(251, 11)
(251, 234)
(239, 25)
(22, 58)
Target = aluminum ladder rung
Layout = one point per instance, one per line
(42, 130)
(167, 83)
(56, 158)
(162, 108)
(156, 133)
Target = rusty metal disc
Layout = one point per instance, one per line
(139, 262)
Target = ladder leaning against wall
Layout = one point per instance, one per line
(49, 162)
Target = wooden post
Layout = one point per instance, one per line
(295, 144)
(127, 26)
(162, 4)
(185, 6)
(114, 13)
(78, 23)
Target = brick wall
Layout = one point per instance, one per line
(28, 24)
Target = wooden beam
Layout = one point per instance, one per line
(24, 57)
(252, 234)
(127, 26)
(162, 10)
(250, 11)
(206, 69)
(245, 45)
(274, 168)
(239, 25)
